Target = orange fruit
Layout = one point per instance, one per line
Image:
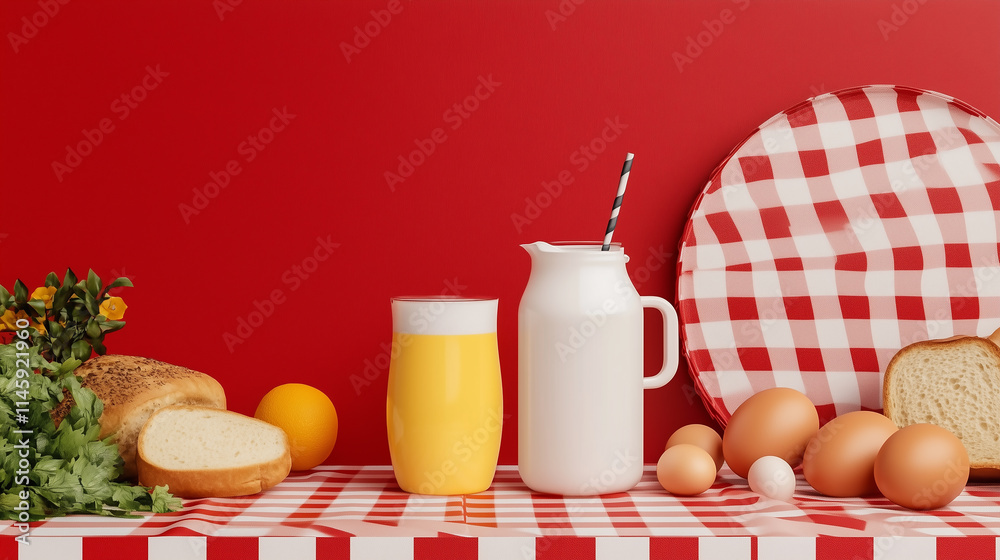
(307, 416)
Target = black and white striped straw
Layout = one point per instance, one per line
(618, 202)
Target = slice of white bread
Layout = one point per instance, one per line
(132, 388)
(204, 452)
(953, 383)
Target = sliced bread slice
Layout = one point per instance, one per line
(953, 383)
(205, 452)
(131, 389)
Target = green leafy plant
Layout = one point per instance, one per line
(71, 470)
(68, 469)
(67, 319)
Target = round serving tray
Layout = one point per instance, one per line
(843, 229)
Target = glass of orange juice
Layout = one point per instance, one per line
(444, 408)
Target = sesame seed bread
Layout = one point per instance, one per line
(953, 383)
(204, 452)
(133, 388)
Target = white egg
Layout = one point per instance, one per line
(772, 477)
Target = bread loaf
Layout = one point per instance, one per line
(953, 383)
(203, 452)
(132, 388)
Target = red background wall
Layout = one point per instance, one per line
(451, 221)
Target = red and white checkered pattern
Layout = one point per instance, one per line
(843, 229)
(359, 513)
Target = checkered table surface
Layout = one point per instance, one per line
(360, 513)
(843, 229)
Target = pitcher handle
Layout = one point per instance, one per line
(670, 346)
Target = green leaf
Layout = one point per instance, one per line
(70, 278)
(163, 501)
(93, 328)
(91, 302)
(125, 497)
(52, 281)
(64, 340)
(98, 344)
(20, 292)
(121, 282)
(68, 366)
(38, 305)
(62, 296)
(5, 298)
(94, 480)
(44, 468)
(63, 488)
(93, 284)
(112, 326)
(81, 350)
(80, 312)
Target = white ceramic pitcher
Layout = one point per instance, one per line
(580, 371)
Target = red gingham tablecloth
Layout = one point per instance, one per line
(359, 513)
(843, 229)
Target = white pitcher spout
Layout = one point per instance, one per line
(539, 247)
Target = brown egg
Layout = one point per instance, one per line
(922, 466)
(840, 460)
(701, 436)
(685, 470)
(778, 421)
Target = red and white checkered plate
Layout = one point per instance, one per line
(843, 229)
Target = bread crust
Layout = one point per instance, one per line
(213, 483)
(995, 337)
(132, 388)
(979, 471)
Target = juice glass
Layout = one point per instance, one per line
(444, 407)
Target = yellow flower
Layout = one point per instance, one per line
(8, 321)
(45, 294)
(113, 308)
